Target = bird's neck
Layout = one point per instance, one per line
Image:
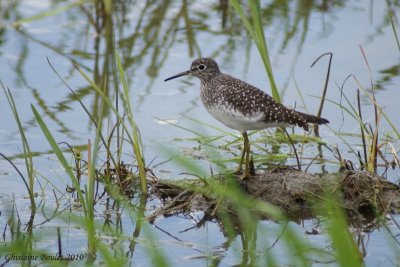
(210, 80)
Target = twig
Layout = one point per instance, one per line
(321, 105)
(294, 148)
(361, 127)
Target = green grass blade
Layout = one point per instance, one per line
(256, 31)
(262, 45)
(346, 249)
(49, 12)
(240, 12)
(60, 156)
(394, 28)
(106, 100)
(207, 125)
(381, 110)
(137, 142)
(27, 151)
(133, 139)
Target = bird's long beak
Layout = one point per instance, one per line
(178, 75)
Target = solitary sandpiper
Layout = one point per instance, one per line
(242, 106)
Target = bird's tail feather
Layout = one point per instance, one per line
(313, 119)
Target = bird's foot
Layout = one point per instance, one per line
(238, 173)
(252, 170)
(239, 170)
(243, 174)
(249, 171)
(246, 175)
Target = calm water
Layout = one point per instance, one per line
(154, 43)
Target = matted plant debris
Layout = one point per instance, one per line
(364, 196)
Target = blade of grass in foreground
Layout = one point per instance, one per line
(346, 250)
(60, 156)
(26, 148)
(87, 202)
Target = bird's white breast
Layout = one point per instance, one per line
(239, 121)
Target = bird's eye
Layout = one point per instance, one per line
(202, 67)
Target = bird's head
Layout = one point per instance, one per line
(202, 68)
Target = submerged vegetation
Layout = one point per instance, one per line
(106, 193)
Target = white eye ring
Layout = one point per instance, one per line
(202, 67)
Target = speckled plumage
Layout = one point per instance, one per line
(242, 106)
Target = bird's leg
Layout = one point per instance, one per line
(239, 170)
(246, 149)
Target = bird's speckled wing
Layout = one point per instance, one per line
(248, 100)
